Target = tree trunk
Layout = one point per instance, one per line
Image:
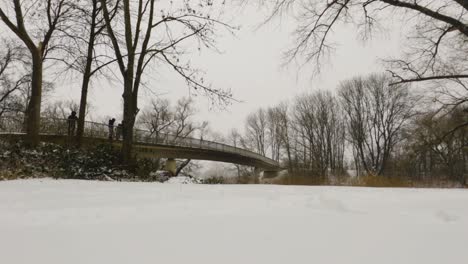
(82, 114)
(129, 113)
(33, 110)
(86, 79)
(288, 150)
(127, 144)
(182, 166)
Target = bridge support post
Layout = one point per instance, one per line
(270, 174)
(171, 166)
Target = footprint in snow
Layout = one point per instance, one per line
(444, 216)
(333, 204)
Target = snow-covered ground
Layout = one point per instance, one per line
(48, 221)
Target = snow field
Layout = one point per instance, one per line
(66, 221)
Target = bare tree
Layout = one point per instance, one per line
(275, 132)
(285, 133)
(86, 49)
(431, 152)
(162, 119)
(439, 26)
(12, 80)
(376, 114)
(184, 112)
(234, 138)
(435, 51)
(158, 119)
(34, 23)
(166, 122)
(136, 45)
(59, 109)
(256, 131)
(318, 118)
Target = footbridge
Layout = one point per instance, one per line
(146, 144)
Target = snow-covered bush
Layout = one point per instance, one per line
(146, 169)
(183, 180)
(159, 176)
(51, 160)
(213, 180)
(96, 163)
(101, 162)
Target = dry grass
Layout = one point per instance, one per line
(364, 181)
(378, 181)
(8, 175)
(299, 180)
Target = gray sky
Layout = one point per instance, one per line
(250, 65)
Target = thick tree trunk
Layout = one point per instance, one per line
(129, 113)
(127, 144)
(82, 114)
(33, 110)
(86, 79)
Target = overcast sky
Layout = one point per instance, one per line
(250, 65)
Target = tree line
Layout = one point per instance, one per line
(125, 40)
(119, 39)
(366, 127)
(424, 142)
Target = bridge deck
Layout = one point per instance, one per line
(147, 144)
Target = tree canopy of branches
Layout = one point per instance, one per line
(440, 30)
(34, 23)
(86, 48)
(431, 152)
(12, 80)
(162, 119)
(307, 135)
(142, 34)
(435, 50)
(172, 122)
(375, 114)
(319, 128)
(368, 128)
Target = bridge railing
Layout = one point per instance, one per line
(53, 126)
(144, 136)
(11, 125)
